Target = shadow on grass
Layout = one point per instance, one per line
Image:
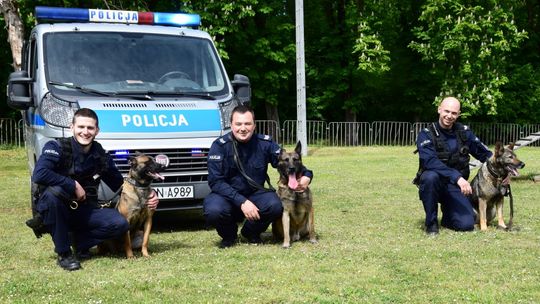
(173, 221)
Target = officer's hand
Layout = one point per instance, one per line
(251, 212)
(152, 201)
(80, 194)
(303, 183)
(465, 186)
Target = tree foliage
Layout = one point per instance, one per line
(468, 43)
(366, 59)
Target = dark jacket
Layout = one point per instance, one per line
(50, 170)
(429, 159)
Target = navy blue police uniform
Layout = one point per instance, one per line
(89, 224)
(230, 189)
(444, 158)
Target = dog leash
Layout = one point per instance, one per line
(510, 222)
(250, 181)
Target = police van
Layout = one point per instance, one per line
(155, 81)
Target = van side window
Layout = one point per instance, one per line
(30, 52)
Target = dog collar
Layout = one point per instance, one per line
(135, 183)
(492, 171)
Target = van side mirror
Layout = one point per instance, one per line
(18, 90)
(242, 88)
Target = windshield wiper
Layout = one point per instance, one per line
(101, 93)
(79, 88)
(181, 94)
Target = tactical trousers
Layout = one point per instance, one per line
(224, 215)
(457, 210)
(89, 225)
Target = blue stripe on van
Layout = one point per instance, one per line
(158, 121)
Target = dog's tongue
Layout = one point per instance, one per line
(513, 172)
(156, 175)
(293, 183)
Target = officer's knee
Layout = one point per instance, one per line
(118, 226)
(276, 209)
(213, 209)
(272, 208)
(429, 178)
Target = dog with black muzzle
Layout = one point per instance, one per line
(135, 192)
(492, 183)
(298, 215)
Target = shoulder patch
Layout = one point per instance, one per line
(425, 142)
(224, 139)
(265, 137)
(214, 157)
(51, 152)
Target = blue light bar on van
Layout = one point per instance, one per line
(116, 16)
(121, 153)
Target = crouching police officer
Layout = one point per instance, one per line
(237, 169)
(444, 149)
(68, 173)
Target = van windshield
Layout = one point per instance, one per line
(132, 63)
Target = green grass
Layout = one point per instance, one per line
(371, 249)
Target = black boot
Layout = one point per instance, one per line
(68, 261)
(432, 229)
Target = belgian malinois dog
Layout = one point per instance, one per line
(491, 184)
(132, 204)
(298, 216)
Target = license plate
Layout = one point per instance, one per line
(174, 192)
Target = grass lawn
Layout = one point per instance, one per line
(371, 249)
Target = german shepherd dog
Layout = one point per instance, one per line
(132, 204)
(491, 183)
(298, 214)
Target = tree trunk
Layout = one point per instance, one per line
(15, 29)
(350, 116)
(271, 129)
(271, 112)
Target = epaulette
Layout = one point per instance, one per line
(224, 139)
(265, 137)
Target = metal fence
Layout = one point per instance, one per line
(391, 133)
(11, 132)
(322, 133)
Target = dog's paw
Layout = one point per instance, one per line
(286, 246)
(501, 227)
(313, 241)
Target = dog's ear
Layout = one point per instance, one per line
(132, 161)
(499, 148)
(511, 146)
(298, 148)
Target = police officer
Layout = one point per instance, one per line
(237, 170)
(444, 149)
(68, 196)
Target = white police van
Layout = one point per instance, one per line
(155, 81)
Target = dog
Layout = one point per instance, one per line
(298, 216)
(132, 203)
(491, 184)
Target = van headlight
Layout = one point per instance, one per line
(225, 109)
(57, 112)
